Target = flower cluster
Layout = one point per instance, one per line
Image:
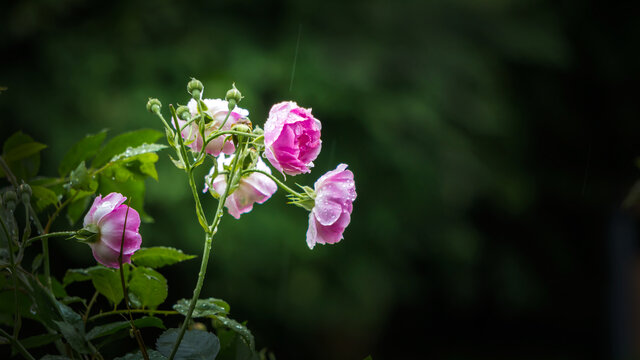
(291, 141)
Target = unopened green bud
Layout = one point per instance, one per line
(183, 112)
(25, 193)
(10, 198)
(258, 130)
(154, 105)
(195, 87)
(241, 128)
(233, 95)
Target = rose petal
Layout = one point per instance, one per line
(103, 206)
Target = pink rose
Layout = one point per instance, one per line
(106, 217)
(335, 193)
(252, 188)
(218, 110)
(291, 138)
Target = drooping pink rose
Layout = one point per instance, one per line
(106, 217)
(217, 109)
(335, 193)
(291, 138)
(252, 188)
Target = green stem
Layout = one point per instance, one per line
(85, 317)
(45, 236)
(202, 219)
(183, 150)
(229, 132)
(18, 345)
(134, 311)
(210, 232)
(163, 120)
(280, 183)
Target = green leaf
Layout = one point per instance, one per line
(132, 152)
(54, 357)
(108, 329)
(204, 307)
(195, 345)
(233, 347)
(147, 287)
(133, 190)
(159, 256)
(77, 207)
(81, 179)
(7, 305)
(35, 264)
(74, 275)
(45, 305)
(39, 340)
(81, 151)
(43, 197)
(107, 282)
(153, 355)
(58, 289)
(23, 150)
(16, 147)
(57, 315)
(237, 327)
(137, 168)
(120, 143)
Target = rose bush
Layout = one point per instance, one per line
(205, 131)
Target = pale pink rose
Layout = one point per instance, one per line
(291, 138)
(252, 188)
(218, 110)
(335, 193)
(107, 217)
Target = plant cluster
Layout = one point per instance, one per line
(105, 183)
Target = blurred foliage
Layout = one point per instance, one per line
(474, 129)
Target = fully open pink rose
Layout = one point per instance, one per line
(107, 217)
(252, 188)
(217, 109)
(291, 138)
(335, 193)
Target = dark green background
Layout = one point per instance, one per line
(492, 143)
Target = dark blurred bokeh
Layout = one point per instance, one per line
(492, 142)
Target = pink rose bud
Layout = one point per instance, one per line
(106, 218)
(218, 110)
(291, 138)
(335, 193)
(252, 188)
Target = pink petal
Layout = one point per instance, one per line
(326, 211)
(103, 206)
(312, 232)
(107, 256)
(111, 228)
